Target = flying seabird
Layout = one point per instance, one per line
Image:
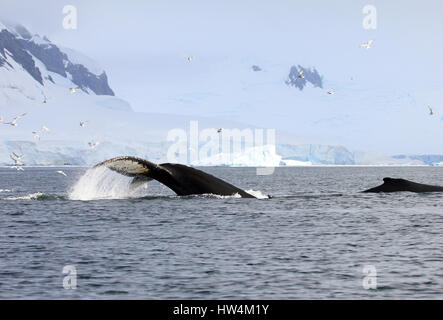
(45, 100)
(16, 158)
(18, 168)
(62, 173)
(430, 111)
(14, 121)
(73, 90)
(93, 144)
(367, 45)
(83, 123)
(36, 135)
(45, 128)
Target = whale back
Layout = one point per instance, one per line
(398, 185)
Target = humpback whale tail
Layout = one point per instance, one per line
(181, 179)
(395, 185)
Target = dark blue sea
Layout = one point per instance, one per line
(313, 240)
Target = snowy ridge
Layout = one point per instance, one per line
(27, 49)
(39, 40)
(36, 78)
(79, 58)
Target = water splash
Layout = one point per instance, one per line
(32, 196)
(217, 196)
(102, 183)
(258, 194)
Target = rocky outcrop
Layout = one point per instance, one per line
(8, 42)
(255, 68)
(22, 46)
(309, 75)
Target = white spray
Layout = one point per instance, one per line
(102, 183)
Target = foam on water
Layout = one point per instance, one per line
(258, 194)
(32, 196)
(217, 196)
(102, 183)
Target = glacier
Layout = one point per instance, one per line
(36, 76)
(260, 156)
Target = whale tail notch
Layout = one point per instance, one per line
(181, 179)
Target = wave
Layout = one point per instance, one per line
(217, 196)
(40, 196)
(36, 196)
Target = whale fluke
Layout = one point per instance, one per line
(396, 185)
(181, 179)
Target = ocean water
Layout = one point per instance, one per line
(312, 240)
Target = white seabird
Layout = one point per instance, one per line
(74, 90)
(62, 173)
(367, 45)
(93, 144)
(18, 168)
(14, 121)
(36, 135)
(430, 111)
(16, 158)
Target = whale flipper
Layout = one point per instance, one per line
(181, 179)
(396, 185)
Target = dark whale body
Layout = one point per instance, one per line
(396, 185)
(181, 179)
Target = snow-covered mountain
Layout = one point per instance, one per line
(57, 88)
(16, 42)
(36, 79)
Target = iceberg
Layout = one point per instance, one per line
(260, 156)
(295, 163)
